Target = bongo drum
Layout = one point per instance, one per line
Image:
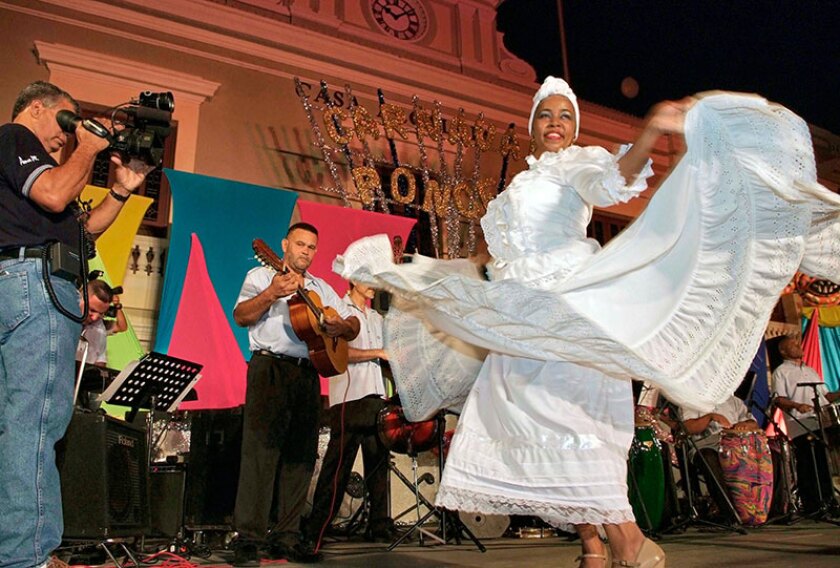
(646, 478)
(404, 437)
(747, 474)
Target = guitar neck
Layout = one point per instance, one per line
(301, 292)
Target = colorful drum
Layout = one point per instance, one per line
(747, 473)
(646, 479)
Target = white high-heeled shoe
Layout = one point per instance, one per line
(650, 555)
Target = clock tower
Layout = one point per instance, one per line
(453, 35)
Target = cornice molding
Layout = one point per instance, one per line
(90, 62)
(367, 67)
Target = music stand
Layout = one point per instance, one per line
(156, 382)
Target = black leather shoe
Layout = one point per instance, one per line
(245, 555)
(382, 535)
(305, 553)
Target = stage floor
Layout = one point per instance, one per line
(807, 544)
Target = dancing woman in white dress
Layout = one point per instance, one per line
(541, 355)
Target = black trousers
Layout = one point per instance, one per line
(812, 481)
(279, 448)
(359, 430)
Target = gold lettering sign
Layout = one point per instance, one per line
(459, 131)
(364, 124)
(508, 145)
(429, 123)
(367, 181)
(411, 186)
(333, 118)
(484, 134)
(394, 120)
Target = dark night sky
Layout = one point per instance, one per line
(785, 50)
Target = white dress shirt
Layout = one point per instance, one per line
(365, 378)
(273, 331)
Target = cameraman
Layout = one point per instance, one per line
(96, 328)
(37, 342)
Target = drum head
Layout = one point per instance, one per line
(485, 526)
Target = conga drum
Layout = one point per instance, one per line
(784, 477)
(747, 474)
(646, 479)
(830, 415)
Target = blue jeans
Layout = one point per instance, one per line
(37, 352)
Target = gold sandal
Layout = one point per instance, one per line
(650, 556)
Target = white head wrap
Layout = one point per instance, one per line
(555, 86)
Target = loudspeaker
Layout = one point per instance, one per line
(166, 499)
(104, 478)
(213, 470)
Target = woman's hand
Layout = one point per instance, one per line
(668, 117)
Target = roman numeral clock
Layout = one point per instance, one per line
(402, 19)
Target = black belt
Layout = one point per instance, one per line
(13, 253)
(299, 361)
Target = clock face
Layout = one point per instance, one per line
(403, 19)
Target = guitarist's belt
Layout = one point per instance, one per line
(299, 361)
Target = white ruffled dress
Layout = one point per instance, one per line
(539, 356)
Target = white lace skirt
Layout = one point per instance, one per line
(548, 439)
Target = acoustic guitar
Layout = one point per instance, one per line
(307, 314)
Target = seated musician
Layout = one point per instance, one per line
(356, 399)
(795, 398)
(788, 383)
(96, 328)
(705, 430)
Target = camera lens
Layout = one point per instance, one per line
(161, 101)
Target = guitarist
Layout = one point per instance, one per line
(282, 402)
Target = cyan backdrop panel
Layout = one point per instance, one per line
(226, 215)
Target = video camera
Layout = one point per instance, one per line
(111, 312)
(146, 125)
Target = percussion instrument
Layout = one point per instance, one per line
(404, 437)
(784, 480)
(830, 415)
(485, 526)
(171, 438)
(647, 416)
(747, 473)
(646, 478)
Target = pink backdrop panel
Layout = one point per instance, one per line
(811, 344)
(203, 335)
(340, 226)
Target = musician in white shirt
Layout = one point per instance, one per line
(789, 378)
(356, 399)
